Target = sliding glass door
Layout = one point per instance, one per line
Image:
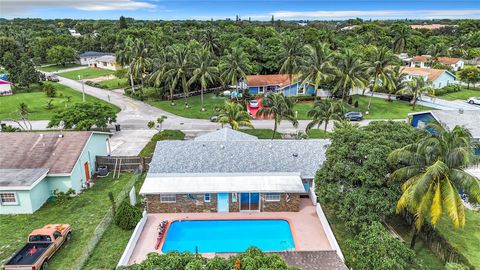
(249, 201)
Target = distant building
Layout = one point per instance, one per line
(438, 78)
(89, 58)
(424, 61)
(5, 88)
(34, 164)
(350, 27)
(430, 26)
(74, 33)
(105, 62)
(261, 84)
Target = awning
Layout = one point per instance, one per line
(217, 183)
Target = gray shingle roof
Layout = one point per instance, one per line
(226, 134)
(93, 54)
(468, 119)
(255, 156)
(20, 177)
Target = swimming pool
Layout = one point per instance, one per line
(228, 235)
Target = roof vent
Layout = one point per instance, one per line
(295, 154)
(460, 111)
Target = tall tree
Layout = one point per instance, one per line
(60, 55)
(350, 73)
(397, 79)
(235, 115)
(179, 71)
(324, 111)
(292, 51)
(210, 41)
(122, 23)
(124, 57)
(380, 59)
(140, 61)
(205, 70)
(432, 170)
(401, 34)
(234, 67)
(316, 67)
(416, 87)
(279, 107)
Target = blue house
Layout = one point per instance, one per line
(438, 78)
(470, 119)
(33, 165)
(261, 84)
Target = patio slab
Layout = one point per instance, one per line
(306, 228)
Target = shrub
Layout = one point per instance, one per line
(49, 90)
(127, 216)
(456, 266)
(355, 104)
(121, 73)
(452, 88)
(61, 197)
(49, 104)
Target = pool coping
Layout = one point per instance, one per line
(170, 221)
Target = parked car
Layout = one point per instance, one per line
(253, 103)
(214, 118)
(52, 78)
(42, 245)
(474, 100)
(404, 97)
(354, 116)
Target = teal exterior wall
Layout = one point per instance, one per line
(31, 200)
(445, 79)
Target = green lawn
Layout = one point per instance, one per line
(83, 212)
(86, 73)
(114, 83)
(318, 134)
(262, 133)
(211, 102)
(148, 150)
(37, 100)
(58, 67)
(464, 94)
(466, 240)
(380, 108)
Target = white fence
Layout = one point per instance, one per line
(127, 253)
(326, 226)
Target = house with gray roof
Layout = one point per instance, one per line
(89, 58)
(33, 165)
(229, 171)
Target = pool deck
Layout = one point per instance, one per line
(307, 230)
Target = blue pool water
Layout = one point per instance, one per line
(228, 235)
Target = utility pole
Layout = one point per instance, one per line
(83, 88)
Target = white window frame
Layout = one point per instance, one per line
(167, 198)
(302, 91)
(205, 197)
(273, 197)
(234, 197)
(261, 89)
(273, 88)
(9, 203)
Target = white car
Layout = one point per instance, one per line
(253, 103)
(474, 100)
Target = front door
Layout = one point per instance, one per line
(249, 201)
(222, 202)
(87, 171)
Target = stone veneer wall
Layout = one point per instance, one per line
(186, 205)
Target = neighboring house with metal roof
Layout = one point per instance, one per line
(226, 171)
(88, 58)
(261, 84)
(437, 78)
(34, 164)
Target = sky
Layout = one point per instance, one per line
(255, 9)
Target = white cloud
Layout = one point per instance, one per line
(18, 7)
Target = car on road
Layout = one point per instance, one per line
(52, 78)
(474, 100)
(354, 116)
(253, 103)
(41, 246)
(404, 97)
(214, 118)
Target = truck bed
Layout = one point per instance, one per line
(29, 254)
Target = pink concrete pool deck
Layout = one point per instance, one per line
(306, 228)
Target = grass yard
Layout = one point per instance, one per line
(464, 94)
(380, 108)
(262, 133)
(318, 134)
(211, 102)
(114, 83)
(58, 67)
(466, 240)
(83, 212)
(148, 150)
(86, 73)
(37, 101)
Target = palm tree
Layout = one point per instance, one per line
(416, 87)
(350, 73)
(234, 114)
(397, 79)
(316, 65)
(159, 69)
(433, 172)
(324, 111)
(401, 34)
(140, 61)
(380, 60)
(280, 108)
(124, 57)
(179, 70)
(210, 41)
(234, 67)
(205, 70)
(291, 57)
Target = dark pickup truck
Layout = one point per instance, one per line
(42, 244)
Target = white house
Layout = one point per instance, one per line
(89, 58)
(438, 78)
(105, 62)
(74, 33)
(422, 61)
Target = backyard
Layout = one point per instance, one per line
(53, 68)
(86, 73)
(380, 108)
(83, 212)
(37, 102)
